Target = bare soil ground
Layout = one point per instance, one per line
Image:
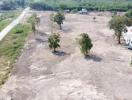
(41, 75)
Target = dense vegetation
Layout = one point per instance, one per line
(120, 5)
(111, 5)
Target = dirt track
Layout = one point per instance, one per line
(41, 75)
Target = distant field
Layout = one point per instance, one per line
(10, 48)
(6, 17)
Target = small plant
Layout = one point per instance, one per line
(54, 42)
(85, 44)
(94, 18)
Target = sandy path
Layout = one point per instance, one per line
(40, 75)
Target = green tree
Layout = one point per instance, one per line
(128, 16)
(34, 20)
(117, 23)
(59, 18)
(54, 42)
(85, 43)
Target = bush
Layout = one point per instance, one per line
(19, 31)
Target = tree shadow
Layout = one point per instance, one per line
(94, 58)
(39, 40)
(61, 53)
(41, 37)
(67, 29)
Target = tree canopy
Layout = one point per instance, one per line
(100, 5)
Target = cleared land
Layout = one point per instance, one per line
(41, 75)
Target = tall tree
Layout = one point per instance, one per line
(85, 43)
(59, 18)
(117, 23)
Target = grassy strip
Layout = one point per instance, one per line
(10, 48)
(6, 18)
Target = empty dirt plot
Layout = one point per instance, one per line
(41, 75)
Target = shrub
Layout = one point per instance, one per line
(54, 42)
(85, 43)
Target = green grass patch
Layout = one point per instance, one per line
(10, 49)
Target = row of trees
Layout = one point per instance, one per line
(12, 4)
(54, 40)
(100, 5)
(85, 43)
(34, 20)
(119, 24)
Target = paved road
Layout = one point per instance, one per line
(6, 30)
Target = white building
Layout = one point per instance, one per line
(128, 37)
(83, 11)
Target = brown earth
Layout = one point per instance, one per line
(41, 75)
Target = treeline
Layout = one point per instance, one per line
(12, 4)
(99, 5)
(78, 5)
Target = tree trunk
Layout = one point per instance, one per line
(119, 39)
(54, 50)
(60, 27)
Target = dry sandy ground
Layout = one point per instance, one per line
(41, 75)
